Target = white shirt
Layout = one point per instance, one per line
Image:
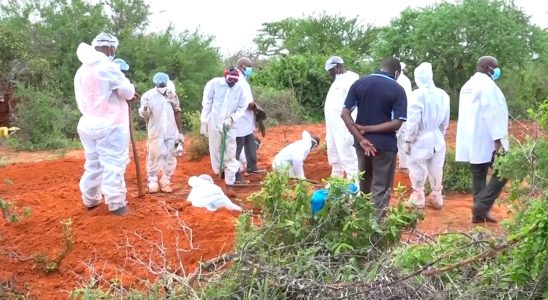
(483, 118)
(245, 125)
(161, 122)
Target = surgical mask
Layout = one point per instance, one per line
(248, 72)
(162, 90)
(496, 74)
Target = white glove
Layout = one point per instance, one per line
(203, 129)
(407, 148)
(228, 123)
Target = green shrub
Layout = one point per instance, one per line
(281, 106)
(456, 175)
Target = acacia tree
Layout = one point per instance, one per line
(453, 36)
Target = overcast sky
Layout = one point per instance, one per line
(232, 33)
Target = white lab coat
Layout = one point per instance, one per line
(206, 194)
(219, 103)
(427, 122)
(245, 125)
(483, 118)
(292, 156)
(101, 91)
(340, 151)
(404, 81)
(162, 132)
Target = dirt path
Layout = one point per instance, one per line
(109, 247)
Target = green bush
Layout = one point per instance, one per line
(456, 175)
(281, 106)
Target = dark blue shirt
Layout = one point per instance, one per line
(378, 98)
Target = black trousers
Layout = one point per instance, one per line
(247, 143)
(378, 178)
(485, 193)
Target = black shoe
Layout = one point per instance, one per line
(484, 219)
(92, 207)
(258, 171)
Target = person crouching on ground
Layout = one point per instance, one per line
(292, 156)
(162, 113)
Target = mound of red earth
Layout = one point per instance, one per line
(161, 231)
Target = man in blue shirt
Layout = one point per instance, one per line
(382, 109)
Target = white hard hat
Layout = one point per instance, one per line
(105, 39)
(332, 62)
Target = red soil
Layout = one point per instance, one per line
(111, 245)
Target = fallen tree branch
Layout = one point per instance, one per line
(206, 265)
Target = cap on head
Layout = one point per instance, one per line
(487, 61)
(231, 74)
(160, 78)
(332, 62)
(105, 39)
(124, 67)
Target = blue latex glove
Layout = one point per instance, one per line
(318, 199)
(352, 188)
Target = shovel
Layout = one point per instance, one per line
(223, 149)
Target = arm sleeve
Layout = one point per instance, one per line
(351, 100)
(491, 112)
(174, 100)
(399, 108)
(207, 101)
(415, 116)
(447, 106)
(119, 82)
(298, 168)
(243, 102)
(144, 100)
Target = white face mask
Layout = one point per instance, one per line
(162, 90)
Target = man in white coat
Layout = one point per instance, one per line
(224, 102)
(292, 156)
(482, 133)
(427, 122)
(162, 112)
(340, 151)
(400, 134)
(101, 92)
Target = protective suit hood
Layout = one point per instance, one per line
(87, 55)
(424, 76)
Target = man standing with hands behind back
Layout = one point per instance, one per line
(382, 109)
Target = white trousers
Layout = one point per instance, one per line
(431, 167)
(231, 164)
(107, 156)
(341, 153)
(161, 157)
(403, 160)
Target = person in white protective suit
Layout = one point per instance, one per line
(206, 194)
(162, 113)
(400, 134)
(224, 102)
(101, 91)
(482, 134)
(427, 122)
(292, 156)
(340, 151)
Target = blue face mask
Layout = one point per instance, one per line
(248, 72)
(496, 74)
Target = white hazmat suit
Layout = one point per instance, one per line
(404, 81)
(223, 105)
(341, 153)
(101, 91)
(206, 194)
(427, 122)
(292, 156)
(162, 136)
